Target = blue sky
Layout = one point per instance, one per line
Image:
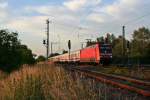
(22, 3)
(71, 19)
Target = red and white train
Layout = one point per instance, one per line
(94, 54)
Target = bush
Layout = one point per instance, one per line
(12, 53)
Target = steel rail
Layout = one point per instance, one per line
(140, 82)
(107, 79)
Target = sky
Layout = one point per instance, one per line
(74, 20)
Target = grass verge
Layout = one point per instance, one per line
(48, 82)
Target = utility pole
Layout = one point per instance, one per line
(123, 45)
(47, 53)
(82, 46)
(69, 47)
(123, 41)
(59, 43)
(51, 48)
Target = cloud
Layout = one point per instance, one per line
(3, 10)
(3, 13)
(98, 18)
(31, 30)
(93, 16)
(75, 5)
(3, 4)
(60, 15)
(47, 9)
(126, 8)
(110, 15)
(28, 24)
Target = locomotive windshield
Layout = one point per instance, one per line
(105, 48)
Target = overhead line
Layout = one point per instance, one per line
(141, 17)
(85, 28)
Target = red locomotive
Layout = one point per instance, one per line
(94, 54)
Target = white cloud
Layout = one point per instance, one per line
(3, 4)
(47, 9)
(125, 8)
(75, 5)
(24, 24)
(98, 18)
(3, 10)
(3, 13)
(61, 14)
(92, 14)
(31, 30)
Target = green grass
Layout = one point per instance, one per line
(131, 72)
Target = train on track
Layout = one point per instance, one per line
(99, 53)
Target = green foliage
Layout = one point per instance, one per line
(54, 54)
(64, 51)
(109, 38)
(26, 55)
(140, 46)
(89, 43)
(138, 49)
(100, 39)
(117, 47)
(40, 58)
(12, 53)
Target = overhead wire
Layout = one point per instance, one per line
(82, 20)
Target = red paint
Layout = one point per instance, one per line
(90, 54)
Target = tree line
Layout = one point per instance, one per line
(13, 54)
(137, 48)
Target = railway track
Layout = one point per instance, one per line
(133, 85)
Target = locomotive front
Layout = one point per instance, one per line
(105, 53)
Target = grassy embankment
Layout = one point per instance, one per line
(43, 82)
(48, 82)
(135, 72)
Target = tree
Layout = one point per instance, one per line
(12, 53)
(100, 39)
(140, 45)
(54, 54)
(25, 55)
(117, 47)
(40, 58)
(109, 38)
(116, 43)
(89, 43)
(64, 51)
(112, 38)
(8, 44)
